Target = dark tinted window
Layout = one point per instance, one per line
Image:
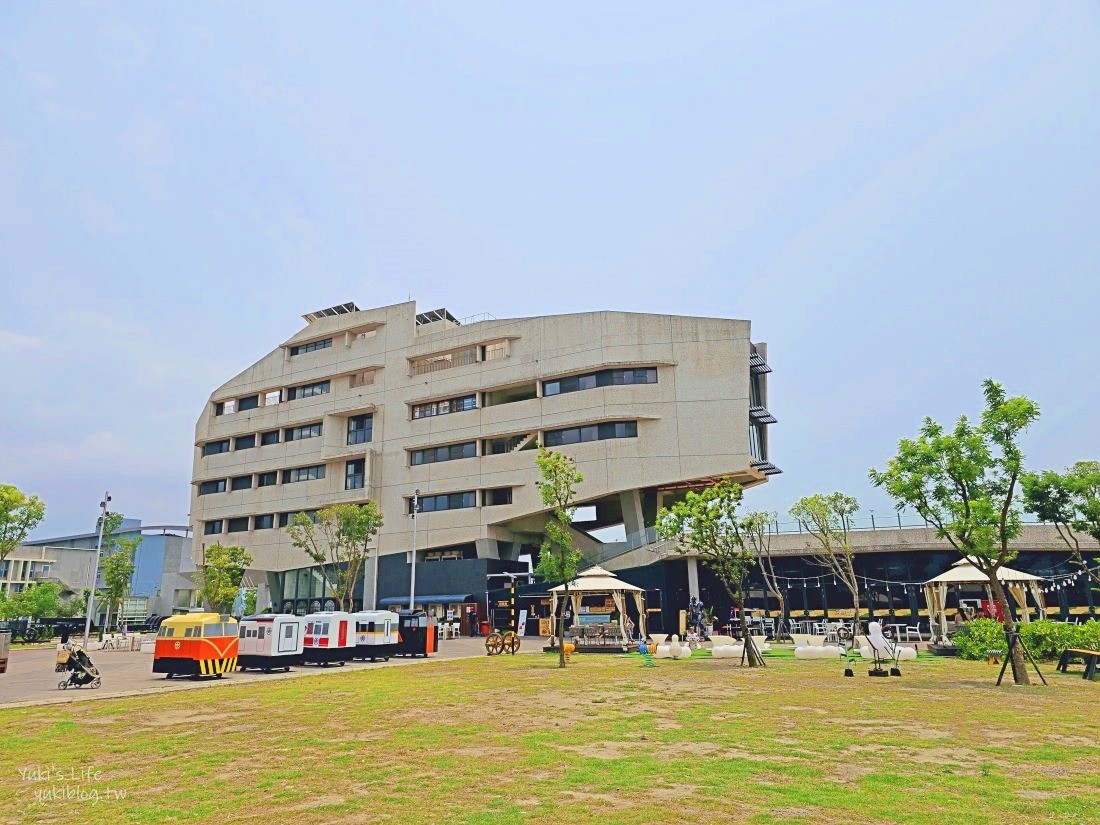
(215, 447)
(447, 501)
(267, 479)
(355, 478)
(270, 437)
(603, 378)
(308, 390)
(360, 428)
(209, 528)
(244, 442)
(237, 525)
(304, 474)
(450, 405)
(305, 431)
(312, 346)
(241, 483)
(592, 432)
(250, 402)
(451, 452)
(208, 487)
(500, 495)
(264, 522)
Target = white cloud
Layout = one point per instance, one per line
(11, 342)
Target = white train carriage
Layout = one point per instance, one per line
(376, 634)
(329, 638)
(270, 641)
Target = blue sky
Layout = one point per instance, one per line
(902, 199)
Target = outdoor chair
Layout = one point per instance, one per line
(913, 630)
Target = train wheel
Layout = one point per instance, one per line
(96, 683)
(286, 669)
(63, 685)
(494, 644)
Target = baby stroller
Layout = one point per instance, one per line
(81, 671)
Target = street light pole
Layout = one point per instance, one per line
(95, 569)
(412, 572)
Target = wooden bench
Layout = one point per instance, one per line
(1090, 659)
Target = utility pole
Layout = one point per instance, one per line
(95, 569)
(412, 572)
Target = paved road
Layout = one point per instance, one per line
(31, 679)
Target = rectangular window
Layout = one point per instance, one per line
(211, 528)
(238, 525)
(249, 402)
(208, 487)
(451, 452)
(312, 346)
(215, 447)
(229, 406)
(219, 408)
(240, 483)
(267, 479)
(447, 501)
(305, 431)
(286, 518)
(499, 446)
(360, 379)
(360, 428)
(270, 437)
(264, 522)
(355, 474)
(307, 390)
(272, 398)
(244, 442)
(450, 405)
(500, 495)
(304, 474)
(591, 432)
(603, 378)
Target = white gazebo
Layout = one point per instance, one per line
(598, 580)
(963, 572)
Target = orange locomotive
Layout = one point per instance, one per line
(196, 644)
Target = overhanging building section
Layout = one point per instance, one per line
(375, 404)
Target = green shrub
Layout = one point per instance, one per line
(975, 639)
(1045, 639)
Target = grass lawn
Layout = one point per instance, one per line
(513, 739)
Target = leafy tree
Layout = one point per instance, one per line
(558, 558)
(337, 542)
(706, 523)
(1071, 502)
(38, 601)
(965, 482)
(758, 538)
(75, 606)
(828, 518)
(118, 572)
(19, 514)
(220, 576)
(250, 601)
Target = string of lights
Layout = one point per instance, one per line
(1050, 582)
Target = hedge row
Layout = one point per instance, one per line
(1045, 639)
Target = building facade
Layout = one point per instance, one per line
(380, 404)
(162, 580)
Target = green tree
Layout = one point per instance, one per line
(965, 483)
(250, 601)
(758, 538)
(1071, 502)
(828, 519)
(38, 601)
(19, 514)
(338, 543)
(118, 572)
(707, 524)
(558, 558)
(220, 576)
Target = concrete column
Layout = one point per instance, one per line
(487, 548)
(631, 502)
(693, 576)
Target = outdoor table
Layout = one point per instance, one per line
(899, 631)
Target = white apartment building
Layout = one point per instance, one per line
(376, 404)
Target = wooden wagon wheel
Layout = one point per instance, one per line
(511, 642)
(494, 644)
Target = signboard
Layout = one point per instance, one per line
(594, 618)
(521, 625)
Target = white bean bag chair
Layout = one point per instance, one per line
(885, 647)
(685, 652)
(663, 652)
(762, 643)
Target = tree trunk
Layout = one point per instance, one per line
(751, 653)
(561, 628)
(1019, 666)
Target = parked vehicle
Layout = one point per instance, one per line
(270, 641)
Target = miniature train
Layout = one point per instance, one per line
(196, 644)
(209, 644)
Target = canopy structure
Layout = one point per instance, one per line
(964, 572)
(598, 580)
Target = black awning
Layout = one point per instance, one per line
(453, 598)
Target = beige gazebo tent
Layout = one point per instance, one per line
(598, 580)
(962, 572)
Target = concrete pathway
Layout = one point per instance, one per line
(31, 679)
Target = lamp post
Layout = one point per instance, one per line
(412, 572)
(95, 568)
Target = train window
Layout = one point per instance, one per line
(288, 632)
(263, 631)
(212, 629)
(244, 632)
(165, 631)
(187, 633)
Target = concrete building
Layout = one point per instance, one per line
(377, 404)
(162, 578)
